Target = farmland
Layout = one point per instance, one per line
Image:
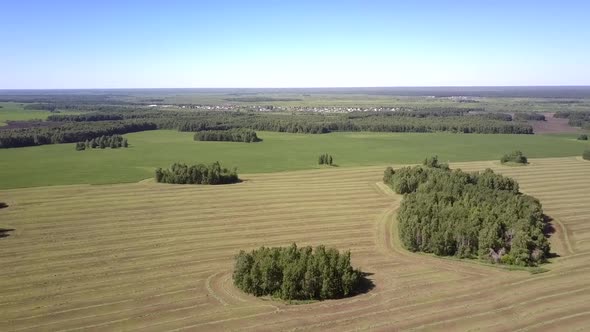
(61, 164)
(148, 256)
(10, 111)
(15, 112)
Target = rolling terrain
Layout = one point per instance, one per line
(157, 257)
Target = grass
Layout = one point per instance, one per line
(61, 164)
(148, 256)
(16, 112)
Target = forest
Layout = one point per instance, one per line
(197, 174)
(69, 128)
(230, 135)
(69, 132)
(292, 273)
(468, 215)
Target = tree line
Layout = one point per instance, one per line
(69, 132)
(85, 117)
(41, 107)
(468, 215)
(230, 135)
(428, 120)
(292, 273)
(197, 174)
(102, 142)
(525, 116)
(75, 128)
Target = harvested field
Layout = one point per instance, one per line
(157, 257)
(552, 125)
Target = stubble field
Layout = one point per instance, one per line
(156, 257)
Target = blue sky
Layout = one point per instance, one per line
(144, 44)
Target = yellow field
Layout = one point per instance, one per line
(155, 257)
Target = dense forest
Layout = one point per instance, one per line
(292, 273)
(110, 119)
(113, 142)
(230, 135)
(197, 174)
(468, 215)
(514, 157)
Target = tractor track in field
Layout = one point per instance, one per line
(158, 257)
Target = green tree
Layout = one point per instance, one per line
(468, 215)
(514, 157)
(293, 273)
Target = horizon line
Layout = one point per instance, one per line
(311, 87)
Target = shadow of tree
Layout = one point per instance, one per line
(549, 230)
(5, 232)
(366, 284)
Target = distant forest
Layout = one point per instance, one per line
(576, 119)
(111, 120)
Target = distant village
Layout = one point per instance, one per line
(272, 108)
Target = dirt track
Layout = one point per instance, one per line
(158, 257)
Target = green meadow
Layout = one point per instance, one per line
(60, 164)
(15, 112)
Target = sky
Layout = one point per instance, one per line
(201, 44)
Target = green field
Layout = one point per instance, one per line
(493, 104)
(61, 164)
(16, 112)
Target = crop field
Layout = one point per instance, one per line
(44, 165)
(157, 257)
